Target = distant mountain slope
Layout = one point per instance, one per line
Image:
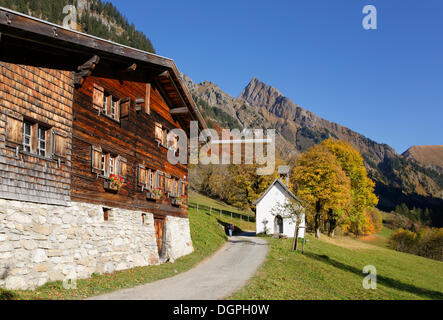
(426, 155)
(397, 178)
(96, 17)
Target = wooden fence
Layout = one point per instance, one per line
(219, 212)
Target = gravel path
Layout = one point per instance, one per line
(217, 277)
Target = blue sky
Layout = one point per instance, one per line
(386, 84)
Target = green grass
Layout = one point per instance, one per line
(332, 269)
(241, 224)
(195, 197)
(207, 236)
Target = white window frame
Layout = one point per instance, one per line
(27, 146)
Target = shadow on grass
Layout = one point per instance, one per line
(389, 282)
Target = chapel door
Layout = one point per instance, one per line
(159, 225)
(278, 224)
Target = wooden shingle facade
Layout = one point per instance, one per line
(36, 122)
(98, 109)
(77, 114)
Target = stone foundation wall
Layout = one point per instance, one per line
(178, 238)
(41, 243)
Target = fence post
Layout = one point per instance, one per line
(197, 207)
(210, 210)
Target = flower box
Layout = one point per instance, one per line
(176, 202)
(152, 195)
(110, 186)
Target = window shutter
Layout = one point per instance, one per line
(98, 97)
(158, 132)
(117, 110)
(125, 104)
(148, 98)
(123, 166)
(59, 144)
(157, 180)
(96, 159)
(14, 130)
(141, 175)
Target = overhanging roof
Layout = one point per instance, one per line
(270, 187)
(73, 43)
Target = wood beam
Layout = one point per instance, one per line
(85, 70)
(178, 111)
(131, 68)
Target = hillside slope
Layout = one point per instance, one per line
(333, 269)
(398, 179)
(431, 156)
(96, 17)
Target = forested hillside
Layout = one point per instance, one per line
(96, 17)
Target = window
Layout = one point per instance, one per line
(27, 129)
(36, 139)
(106, 163)
(158, 132)
(141, 175)
(41, 147)
(169, 185)
(151, 179)
(112, 165)
(161, 181)
(111, 106)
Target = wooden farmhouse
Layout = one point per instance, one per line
(85, 131)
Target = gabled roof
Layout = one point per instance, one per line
(270, 187)
(77, 47)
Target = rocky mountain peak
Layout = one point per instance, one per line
(260, 94)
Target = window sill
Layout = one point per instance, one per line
(30, 154)
(111, 118)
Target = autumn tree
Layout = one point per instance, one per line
(322, 185)
(362, 188)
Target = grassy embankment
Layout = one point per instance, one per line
(207, 236)
(332, 269)
(240, 224)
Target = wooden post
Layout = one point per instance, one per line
(210, 210)
(294, 244)
(303, 246)
(197, 207)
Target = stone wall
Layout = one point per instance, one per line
(41, 243)
(178, 238)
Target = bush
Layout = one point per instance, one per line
(426, 243)
(403, 240)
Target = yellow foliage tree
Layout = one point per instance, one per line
(322, 185)
(362, 188)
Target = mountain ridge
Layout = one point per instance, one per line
(398, 179)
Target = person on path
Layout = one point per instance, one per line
(230, 229)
